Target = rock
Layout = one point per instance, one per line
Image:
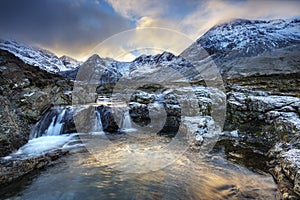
(108, 122)
(287, 168)
(11, 170)
(139, 113)
(290, 163)
(142, 97)
(297, 183)
(26, 93)
(67, 121)
(273, 116)
(199, 130)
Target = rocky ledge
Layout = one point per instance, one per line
(269, 119)
(274, 121)
(26, 92)
(10, 170)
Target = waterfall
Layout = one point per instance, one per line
(50, 133)
(56, 125)
(99, 120)
(50, 124)
(126, 122)
(98, 127)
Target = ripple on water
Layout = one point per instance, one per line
(85, 176)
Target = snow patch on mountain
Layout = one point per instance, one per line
(41, 58)
(70, 63)
(251, 37)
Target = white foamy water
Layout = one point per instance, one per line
(126, 124)
(98, 127)
(38, 146)
(126, 121)
(55, 128)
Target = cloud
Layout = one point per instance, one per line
(65, 26)
(195, 17)
(74, 27)
(134, 9)
(214, 12)
(129, 44)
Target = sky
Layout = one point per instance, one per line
(79, 28)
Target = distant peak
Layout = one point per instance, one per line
(236, 22)
(64, 57)
(94, 57)
(165, 56)
(241, 21)
(36, 56)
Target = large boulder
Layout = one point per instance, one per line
(108, 121)
(271, 116)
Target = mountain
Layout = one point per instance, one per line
(239, 48)
(246, 47)
(70, 63)
(41, 58)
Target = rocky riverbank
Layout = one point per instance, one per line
(26, 94)
(273, 120)
(12, 170)
(254, 115)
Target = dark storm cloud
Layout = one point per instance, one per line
(59, 23)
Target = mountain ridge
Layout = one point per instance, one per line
(240, 47)
(42, 58)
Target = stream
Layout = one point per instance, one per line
(80, 175)
(225, 173)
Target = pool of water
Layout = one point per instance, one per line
(99, 175)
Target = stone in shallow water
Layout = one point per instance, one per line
(11, 170)
(291, 167)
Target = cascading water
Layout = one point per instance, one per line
(98, 127)
(182, 180)
(99, 120)
(49, 134)
(50, 124)
(126, 123)
(56, 125)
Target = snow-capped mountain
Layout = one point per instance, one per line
(245, 47)
(251, 38)
(70, 63)
(160, 68)
(41, 58)
(239, 48)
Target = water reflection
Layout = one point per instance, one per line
(83, 176)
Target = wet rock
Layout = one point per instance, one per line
(51, 116)
(139, 113)
(142, 97)
(11, 170)
(199, 130)
(274, 117)
(297, 183)
(287, 168)
(108, 122)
